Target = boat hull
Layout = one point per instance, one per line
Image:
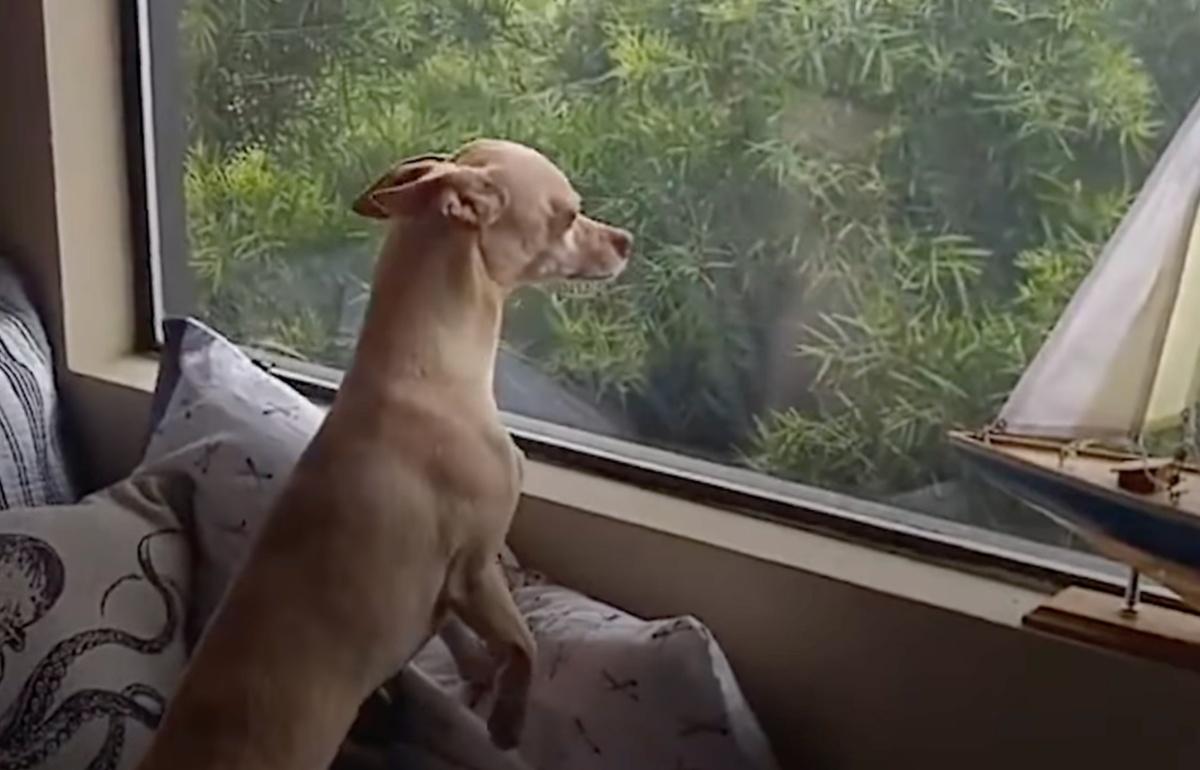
(1152, 533)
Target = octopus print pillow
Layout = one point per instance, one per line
(91, 605)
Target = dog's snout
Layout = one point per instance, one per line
(622, 241)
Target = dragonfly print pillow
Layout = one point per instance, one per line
(91, 624)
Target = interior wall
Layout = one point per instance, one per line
(28, 233)
(107, 422)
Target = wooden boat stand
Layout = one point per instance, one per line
(1122, 624)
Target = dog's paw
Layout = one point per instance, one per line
(478, 671)
(504, 727)
(475, 693)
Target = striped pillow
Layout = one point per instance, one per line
(33, 468)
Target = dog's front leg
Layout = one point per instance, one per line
(488, 608)
(475, 665)
(425, 727)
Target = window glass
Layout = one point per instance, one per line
(855, 221)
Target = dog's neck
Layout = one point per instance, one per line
(434, 314)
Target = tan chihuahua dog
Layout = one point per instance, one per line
(394, 516)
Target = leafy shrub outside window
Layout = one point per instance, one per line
(856, 220)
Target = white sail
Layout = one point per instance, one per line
(1177, 380)
(1125, 355)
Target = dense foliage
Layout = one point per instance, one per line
(856, 218)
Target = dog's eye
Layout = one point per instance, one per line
(566, 219)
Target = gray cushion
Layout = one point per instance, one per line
(237, 431)
(33, 467)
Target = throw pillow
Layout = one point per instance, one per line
(33, 468)
(91, 609)
(613, 690)
(237, 431)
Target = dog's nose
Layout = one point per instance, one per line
(622, 241)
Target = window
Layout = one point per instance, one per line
(856, 221)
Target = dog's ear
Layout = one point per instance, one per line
(466, 194)
(406, 171)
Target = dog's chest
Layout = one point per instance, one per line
(485, 470)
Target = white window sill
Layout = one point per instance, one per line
(858, 565)
(135, 372)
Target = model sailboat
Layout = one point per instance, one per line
(1121, 367)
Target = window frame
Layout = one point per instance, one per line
(155, 163)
